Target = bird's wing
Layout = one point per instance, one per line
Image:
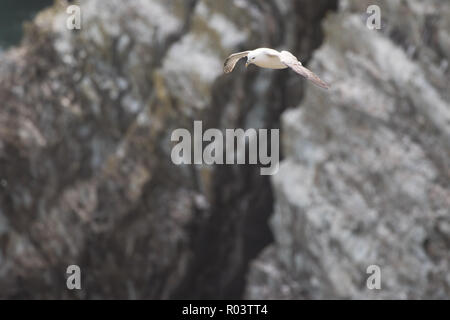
(291, 61)
(231, 61)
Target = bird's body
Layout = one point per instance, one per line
(273, 59)
(267, 58)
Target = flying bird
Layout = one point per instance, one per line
(272, 59)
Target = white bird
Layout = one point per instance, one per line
(272, 59)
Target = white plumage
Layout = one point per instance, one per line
(272, 59)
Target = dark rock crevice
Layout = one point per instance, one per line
(237, 229)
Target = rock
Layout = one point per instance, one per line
(365, 179)
(85, 125)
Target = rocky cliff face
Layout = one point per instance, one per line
(85, 127)
(365, 180)
(86, 176)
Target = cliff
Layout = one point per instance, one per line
(86, 176)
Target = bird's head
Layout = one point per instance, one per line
(251, 58)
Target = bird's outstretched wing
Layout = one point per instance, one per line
(231, 61)
(291, 61)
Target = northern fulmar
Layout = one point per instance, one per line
(272, 59)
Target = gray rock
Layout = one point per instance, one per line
(85, 125)
(365, 180)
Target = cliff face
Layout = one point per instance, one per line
(365, 180)
(86, 175)
(85, 125)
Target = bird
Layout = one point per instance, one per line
(273, 59)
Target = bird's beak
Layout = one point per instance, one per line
(247, 63)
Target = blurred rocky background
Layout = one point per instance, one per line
(86, 177)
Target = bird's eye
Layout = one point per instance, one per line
(253, 58)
